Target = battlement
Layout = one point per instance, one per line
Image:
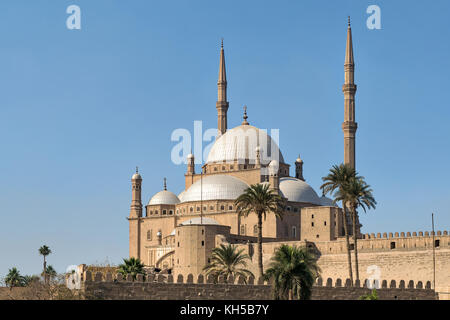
(164, 287)
(388, 242)
(397, 235)
(200, 279)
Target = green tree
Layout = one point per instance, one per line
(50, 272)
(45, 251)
(228, 261)
(30, 279)
(14, 278)
(370, 296)
(335, 181)
(132, 266)
(292, 272)
(259, 199)
(356, 193)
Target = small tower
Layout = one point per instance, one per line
(136, 191)
(258, 156)
(190, 164)
(274, 179)
(299, 168)
(222, 103)
(349, 125)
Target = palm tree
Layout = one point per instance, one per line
(356, 193)
(259, 200)
(228, 261)
(335, 181)
(132, 266)
(14, 278)
(292, 271)
(50, 272)
(44, 251)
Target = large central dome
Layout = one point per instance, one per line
(240, 143)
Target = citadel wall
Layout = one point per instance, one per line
(410, 258)
(167, 288)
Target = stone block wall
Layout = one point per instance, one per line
(165, 287)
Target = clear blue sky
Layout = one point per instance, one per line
(80, 109)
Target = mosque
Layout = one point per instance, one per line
(177, 233)
(240, 157)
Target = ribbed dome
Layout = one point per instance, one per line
(240, 143)
(199, 220)
(215, 187)
(164, 197)
(327, 202)
(297, 190)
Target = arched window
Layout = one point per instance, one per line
(294, 232)
(149, 235)
(255, 230)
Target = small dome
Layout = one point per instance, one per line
(164, 197)
(136, 176)
(199, 220)
(297, 190)
(190, 156)
(298, 160)
(215, 187)
(240, 144)
(326, 202)
(273, 167)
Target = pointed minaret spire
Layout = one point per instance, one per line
(165, 184)
(222, 103)
(245, 117)
(349, 125)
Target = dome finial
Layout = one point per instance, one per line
(245, 116)
(137, 169)
(165, 184)
(221, 43)
(349, 22)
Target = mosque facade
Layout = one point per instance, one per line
(178, 232)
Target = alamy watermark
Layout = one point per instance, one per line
(374, 20)
(244, 145)
(73, 22)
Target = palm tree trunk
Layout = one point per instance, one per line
(45, 271)
(349, 257)
(355, 240)
(260, 253)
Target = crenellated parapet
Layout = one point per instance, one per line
(390, 242)
(371, 283)
(163, 287)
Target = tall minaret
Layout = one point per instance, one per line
(349, 125)
(136, 200)
(222, 103)
(135, 216)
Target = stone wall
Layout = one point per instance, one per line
(411, 258)
(166, 288)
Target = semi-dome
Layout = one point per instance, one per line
(215, 187)
(180, 196)
(240, 143)
(327, 202)
(297, 190)
(164, 197)
(199, 220)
